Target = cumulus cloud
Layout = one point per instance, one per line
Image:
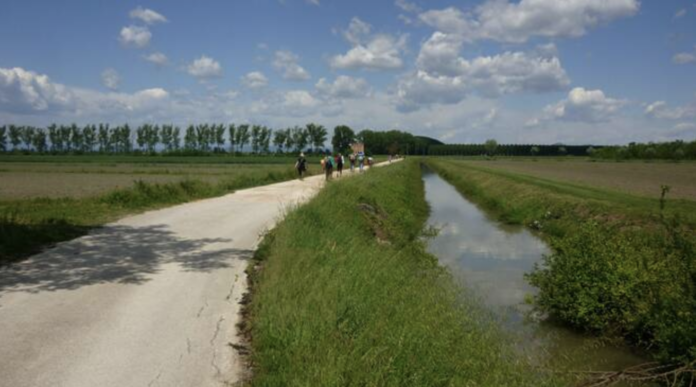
(110, 78)
(135, 36)
(443, 76)
(157, 58)
(681, 13)
(517, 22)
(286, 62)
(255, 80)
(343, 87)
(581, 105)
(205, 68)
(372, 52)
(147, 15)
(26, 92)
(660, 110)
(407, 6)
(684, 58)
(23, 91)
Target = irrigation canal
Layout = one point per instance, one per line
(490, 259)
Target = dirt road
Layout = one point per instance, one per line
(151, 300)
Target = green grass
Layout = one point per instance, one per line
(619, 266)
(344, 294)
(152, 159)
(28, 226)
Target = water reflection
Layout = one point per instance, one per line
(490, 259)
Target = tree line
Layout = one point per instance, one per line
(673, 150)
(148, 138)
(201, 139)
(492, 148)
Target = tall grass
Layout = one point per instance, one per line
(344, 294)
(619, 265)
(28, 226)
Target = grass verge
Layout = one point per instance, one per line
(28, 226)
(619, 266)
(343, 293)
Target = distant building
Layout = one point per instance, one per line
(358, 147)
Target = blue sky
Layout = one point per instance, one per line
(573, 71)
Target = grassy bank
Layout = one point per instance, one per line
(620, 265)
(343, 293)
(28, 226)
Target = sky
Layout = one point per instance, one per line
(525, 71)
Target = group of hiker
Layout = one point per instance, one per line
(330, 162)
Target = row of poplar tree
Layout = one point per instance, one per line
(155, 138)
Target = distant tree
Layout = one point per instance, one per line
(54, 138)
(289, 140)
(65, 138)
(104, 139)
(39, 140)
(679, 154)
(166, 136)
(317, 135)
(562, 151)
(534, 151)
(89, 134)
(255, 135)
(27, 136)
(243, 136)
(300, 138)
(190, 140)
(219, 134)
(231, 132)
(176, 138)
(203, 137)
(279, 138)
(491, 147)
(650, 153)
(591, 151)
(265, 140)
(343, 137)
(76, 138)
(15, 133)
(3, 138)
(141, 136)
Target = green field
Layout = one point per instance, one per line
(620, 266)
(48, 199)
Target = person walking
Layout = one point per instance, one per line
(339, 165)
(328, 166)
(351, 158)
(361, 161)
(301, 165)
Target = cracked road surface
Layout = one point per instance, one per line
(151, 300)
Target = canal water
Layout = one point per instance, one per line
(490, 260)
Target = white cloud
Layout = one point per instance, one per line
(589, 106)
(661, 110)
(407, 6)
(314, 2)
(23, 91)
(505, 21)
(135, 36)
(442, 76)
(26, 92)
(157, 58)
(372, 52)
(343, 87)
(286, 62)
(110, 78)
(255, 80)
(681, 13)
(205, 68)
(147, 15)
(684, 58)
(299, 100)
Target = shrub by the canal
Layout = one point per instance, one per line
(344, 294)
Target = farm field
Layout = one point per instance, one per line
(42, 202)
(638, 178)
(32, 180)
